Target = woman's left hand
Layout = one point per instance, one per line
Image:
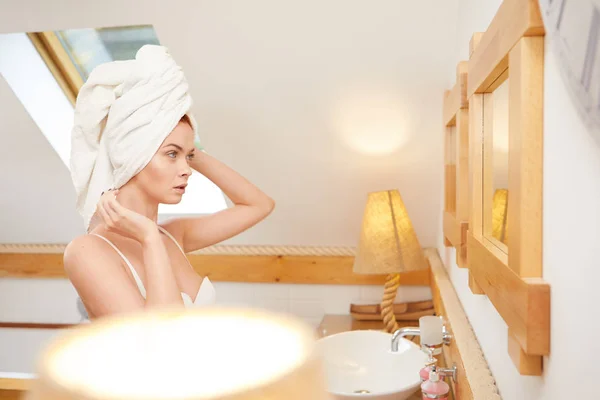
(122, 220)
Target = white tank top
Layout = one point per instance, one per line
(206, 294)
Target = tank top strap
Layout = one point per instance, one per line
(138, 281)
(166, 232)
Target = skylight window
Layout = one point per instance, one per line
(57, 64)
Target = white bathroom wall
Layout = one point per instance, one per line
(571, 237)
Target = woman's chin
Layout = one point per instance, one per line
(172, 199)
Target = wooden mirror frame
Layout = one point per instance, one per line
(513, 44)
(456, 182)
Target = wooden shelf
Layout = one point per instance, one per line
(332, 270)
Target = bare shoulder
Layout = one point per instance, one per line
(84, 250)
(97, 273)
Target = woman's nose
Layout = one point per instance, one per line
(186, 170)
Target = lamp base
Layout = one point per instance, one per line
(392, 283)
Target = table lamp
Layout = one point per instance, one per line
(214, 353)
(388, 245)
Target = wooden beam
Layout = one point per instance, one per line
(514, 19)
(336, 270)
(450, 187)
(474, 379)
(487, 172)
(461, 251)
(527, 365)
(453, 229)
(14, 388)
(523, 303)
(58, 62)
(457, 202)
(11, 394)
(474, 42)
(15, 383)
(463, 205)
(475, 288)
(525, 164)
(34, 325)
(457, 97)
(451, 104)
(476, 159)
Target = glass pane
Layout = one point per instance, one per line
(451, 149)
(88, 48)
(495, 182)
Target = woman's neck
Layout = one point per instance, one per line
(134, 199)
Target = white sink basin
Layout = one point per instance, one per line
(360, 364)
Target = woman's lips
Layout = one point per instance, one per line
(180, 189)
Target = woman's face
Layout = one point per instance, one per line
(166, 175)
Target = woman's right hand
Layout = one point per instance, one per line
(122, 220)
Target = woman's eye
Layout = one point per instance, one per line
(172, 154)
(190, 157)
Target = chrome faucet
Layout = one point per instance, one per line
(415, 331)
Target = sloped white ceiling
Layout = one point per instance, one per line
(317, 102)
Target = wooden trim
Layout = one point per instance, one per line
(456, 165)
(475, 176)
(15, 384)
(463, 206)
(63, 61)
(455, 232)
(58, 62)
(487, 171)
(497, 82)
(37, 39)
(14, 388)
(461, 251)
(450, 170)
(527, 365)
(476, 154)
(11, 394)
(473, 285)
(514, 20)
(456, 98)
(474, 378)
(474, 42)
(526, 156)
(523, 303)
(335, 270)
(34, 325)
(463, 193)
(452, 230)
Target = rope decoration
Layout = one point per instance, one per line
(392, 283)
(237, 250)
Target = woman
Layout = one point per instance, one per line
(123, 138)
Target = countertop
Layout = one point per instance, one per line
(13, 384)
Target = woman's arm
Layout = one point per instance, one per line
(251, 206)
(161, 285)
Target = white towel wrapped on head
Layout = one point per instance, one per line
(123, 113)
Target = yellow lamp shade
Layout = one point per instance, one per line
(388, 243)
(212, 353)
